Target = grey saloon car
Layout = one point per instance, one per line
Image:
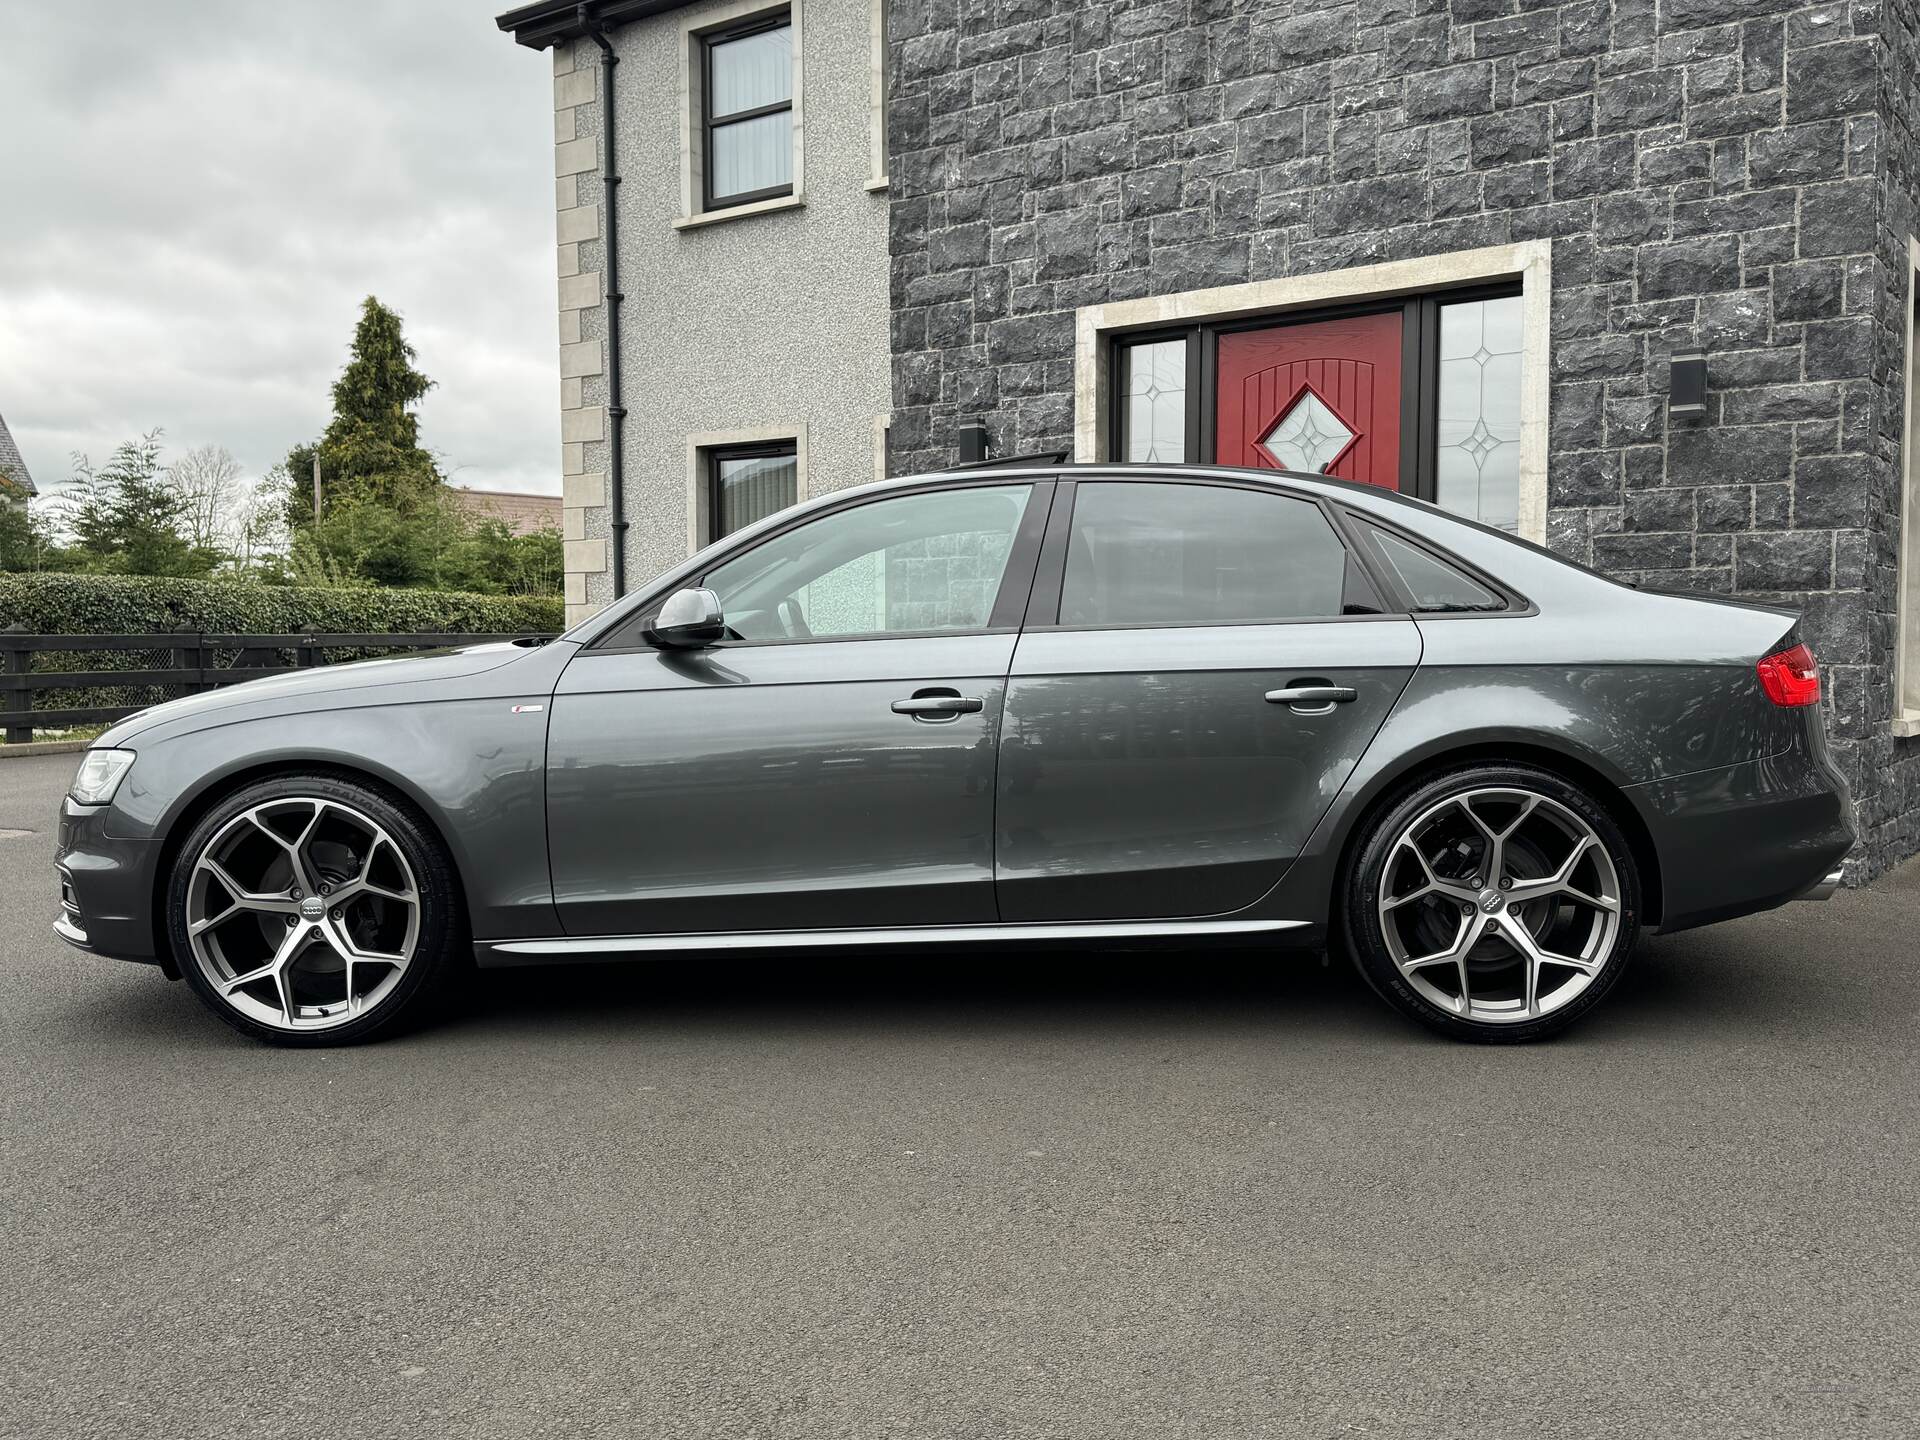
(1043, 704)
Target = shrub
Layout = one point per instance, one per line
(140, 604)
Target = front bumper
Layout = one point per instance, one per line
(106, 887)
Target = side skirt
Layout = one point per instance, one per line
(567, 949)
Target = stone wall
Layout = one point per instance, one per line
(1710, 172)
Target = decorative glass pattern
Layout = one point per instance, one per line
(1308, 438)
(1479, 411)
(1157, 402)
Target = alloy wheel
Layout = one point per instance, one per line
(302, 913)
(1499, 905)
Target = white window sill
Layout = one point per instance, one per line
(739, 212)
(1906, 724)
(879, 182)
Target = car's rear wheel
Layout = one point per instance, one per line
(313, 910)
(1493, 902)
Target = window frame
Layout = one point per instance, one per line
(1419, 373)
(1043, 605)
(715, 455)
(708, 40)
(1906, 605)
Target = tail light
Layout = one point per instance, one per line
(1791, 676)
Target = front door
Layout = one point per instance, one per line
(1319, 396)
(1176, 729)
(828, 766)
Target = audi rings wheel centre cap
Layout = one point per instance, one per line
(312, 908)
(1492, 902)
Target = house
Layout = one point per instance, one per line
(522, 513)
(13, 468)
(1633, 280)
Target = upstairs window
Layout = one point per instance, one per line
(747, 112)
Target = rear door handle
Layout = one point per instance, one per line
(1313, 695)
(938, 705)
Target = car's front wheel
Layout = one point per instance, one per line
(313, 910)
(1493, 902)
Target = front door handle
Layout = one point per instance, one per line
(1313, 695)
(938, 705)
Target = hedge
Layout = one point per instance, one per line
(140, 605)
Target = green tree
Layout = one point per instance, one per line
(489, 559)
(127, 519)
(371, 450)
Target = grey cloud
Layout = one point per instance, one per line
(194, 197)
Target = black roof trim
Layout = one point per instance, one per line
(547, 22)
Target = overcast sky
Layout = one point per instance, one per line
(195, 196)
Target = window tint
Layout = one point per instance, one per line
(1147, 554)
(1433, 584)
(917, 564)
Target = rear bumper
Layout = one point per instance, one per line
(106, 887)
(1748, 837)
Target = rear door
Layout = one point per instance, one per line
(1203, 664)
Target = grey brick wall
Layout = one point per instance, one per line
(1711, 172)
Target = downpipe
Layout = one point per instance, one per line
(610, 224)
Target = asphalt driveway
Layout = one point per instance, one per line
(1130, 1195)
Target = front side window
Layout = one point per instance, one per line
(912, 565)
(1165, 554)
(750, 482)
(748, 112)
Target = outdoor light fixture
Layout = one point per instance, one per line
(973, 442)
(1687, 383)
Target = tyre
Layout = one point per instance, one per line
(314, 910)
(1494, 903)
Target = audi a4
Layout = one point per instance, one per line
(1053, 704)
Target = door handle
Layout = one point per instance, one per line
(1313, 695)
(938, 705)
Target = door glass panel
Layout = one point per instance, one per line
(1151, 554)
(1433, 584)
(1479, 411)
(913, 565)
(1309, 437)
(1157, 402)
(750, 488)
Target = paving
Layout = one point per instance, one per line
(1176, 1194)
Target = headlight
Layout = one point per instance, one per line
(100, 775)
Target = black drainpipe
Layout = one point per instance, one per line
(616, 412)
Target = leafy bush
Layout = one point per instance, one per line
(140, 605)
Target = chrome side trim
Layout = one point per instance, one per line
(1828, 883)
(492, 953)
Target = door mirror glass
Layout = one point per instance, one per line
(688, 620)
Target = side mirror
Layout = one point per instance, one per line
(688, 620)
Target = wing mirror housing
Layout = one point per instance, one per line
(688, 620)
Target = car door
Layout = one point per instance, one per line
(831, 763)
(1203, 665)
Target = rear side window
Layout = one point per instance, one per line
(1433, 584)
(1160, 554)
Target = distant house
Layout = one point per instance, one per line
(14, 467)
(522, 513)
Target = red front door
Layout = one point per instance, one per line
(1320, 395)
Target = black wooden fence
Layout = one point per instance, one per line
(119, 674)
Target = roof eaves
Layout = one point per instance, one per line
(546, 23)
